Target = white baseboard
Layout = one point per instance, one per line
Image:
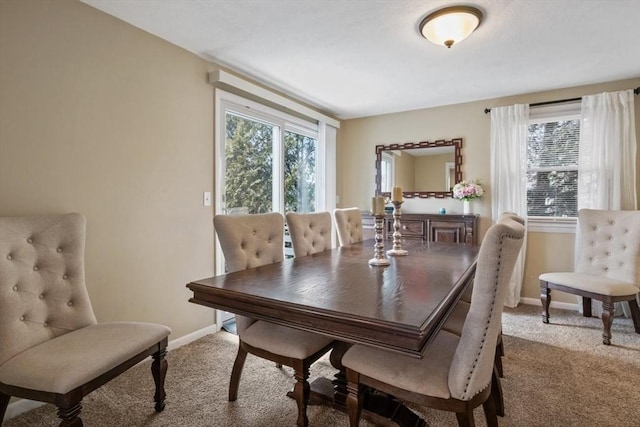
(179, 342)
(24, 405)
(554, 304)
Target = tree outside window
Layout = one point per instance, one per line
(552, 168)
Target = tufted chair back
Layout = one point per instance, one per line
(608, 244)
(249, 241)
(349, 225)
(42, 289)
(472, 365)
(310, 233)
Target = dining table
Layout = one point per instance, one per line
(399, 307)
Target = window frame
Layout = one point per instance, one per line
(545, 114)
(251, 110)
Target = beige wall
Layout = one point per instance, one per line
(430, 173)
(403, 171)
(101, 118)
(357, 139)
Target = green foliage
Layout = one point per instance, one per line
(249, 167)
(299, 173)
(249, 162)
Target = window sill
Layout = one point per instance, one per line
(551, 225)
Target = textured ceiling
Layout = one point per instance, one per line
(355, 58)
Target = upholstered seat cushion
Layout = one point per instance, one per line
(591, 283)
(428, 376)
(456, 319)
(73, 359)
(284, 341)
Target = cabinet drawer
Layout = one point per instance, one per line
(447, 231)
(409, 228)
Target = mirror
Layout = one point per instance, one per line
(423, 169)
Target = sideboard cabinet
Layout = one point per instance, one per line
(429, 227)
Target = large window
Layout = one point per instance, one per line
(552, 163)
(269, 161)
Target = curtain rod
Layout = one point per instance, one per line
(636, 91)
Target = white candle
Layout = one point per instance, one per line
(396, 195)
(377, 205)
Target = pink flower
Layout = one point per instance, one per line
(468, 190)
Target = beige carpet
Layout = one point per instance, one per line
(555, 375)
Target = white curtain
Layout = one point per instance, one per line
(607, 171)
(509, 130)
(607, 174)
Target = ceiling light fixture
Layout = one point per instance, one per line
(450, 25)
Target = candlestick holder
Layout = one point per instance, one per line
(397, 235)
(378, 254)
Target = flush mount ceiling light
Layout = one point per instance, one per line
(450, 25)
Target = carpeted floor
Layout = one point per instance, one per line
(555, 375)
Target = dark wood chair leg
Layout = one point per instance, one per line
(586, 307)
(354, 398)
(496, 393)
(607, 320)
(4, 402)
(159, 372)
(236, 373)
(545, 298)
(279, 365)
(635, 314)
(301, 392)
(497, 362)
(490, 413)
(465, 419)
(70, 416)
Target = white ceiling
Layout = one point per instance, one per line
(355, 58)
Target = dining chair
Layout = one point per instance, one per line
(249, 241)
(456, 318)
(52, 349)
(310, 232)
(349, 225)
(455, 323)
(607, 266)
(455, 371)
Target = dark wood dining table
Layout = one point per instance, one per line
(399, 307)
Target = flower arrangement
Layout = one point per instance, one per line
(468, 190)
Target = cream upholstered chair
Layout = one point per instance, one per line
(458, 315)
(607, 266)
(455, 372)
(310, 232)
(349, 225)
(250, 241)
(455, 323)
(51, 347)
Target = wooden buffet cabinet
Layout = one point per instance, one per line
(429, 227)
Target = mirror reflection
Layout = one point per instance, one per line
(423, 169)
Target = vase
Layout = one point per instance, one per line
(466, 207)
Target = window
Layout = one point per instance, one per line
(386, 172)
(300, 153)
(268, 162)
(552, 162)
